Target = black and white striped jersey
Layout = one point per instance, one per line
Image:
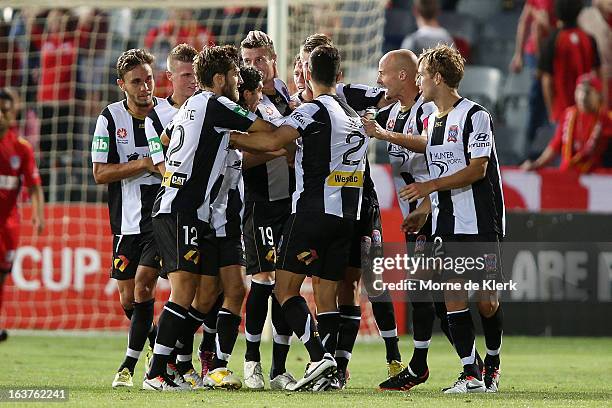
(360, 97)
(155, 123)
(407, 166)
(274, 180)
(120, 137)
(466, 132)
(227, 209)
(196, 158)
(330, 158)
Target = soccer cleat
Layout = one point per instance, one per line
(123, 379)
(148, 358)
(193, 379)
(222, 378)
(326, 367)
(283, 381)
(466, 384)
(161, 383)
(491, 376)
(176, 377)
(394, 367)
(253, 375)
(206, 358)
(404, 381)
(323, 384)
(339, 380)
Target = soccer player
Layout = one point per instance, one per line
(369, 227)
(17, 167)
(269, 183)
(179, 71)
(330, 163)
(120, 156)
(467, 205)
(184, 214)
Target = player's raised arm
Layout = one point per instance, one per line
(415, 143)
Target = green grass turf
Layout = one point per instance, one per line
(536, 372)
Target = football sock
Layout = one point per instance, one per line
(384, 315)
(227, 332)
(462, 331)
(256, 312)
(171, 323)
(209, 333)
(441, 313)
(192, 324)
(281, 337)
(493, 330)
(327, 324)
(423, 315)
(299, 318)
(350, 319)
(128, 312)
(152, 332)
(140, 325)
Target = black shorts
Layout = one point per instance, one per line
(419, 244)
(483, 250)
(129, 251)
(263, 226)
(179, 237)
(368, 225)
(316, 244)
(219, 252)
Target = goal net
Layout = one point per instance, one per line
(61, 63)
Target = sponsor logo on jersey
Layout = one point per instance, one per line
(308, 257)
(174, 180)
(155, 145)
(299, 118)
(271, 255)
(399, 152)
(9, 182)
(122, 136)
(481, 137)
(453, 132)
(15, 162)
(100, 144)
(132, 157)
(345, 179)
(448, 157)
(241, 111)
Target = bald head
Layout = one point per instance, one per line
(397, 72)
(398, 60)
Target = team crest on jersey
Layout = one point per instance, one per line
(269, 111)
(490, 262)
(122, 136)
(391, 124)
(15, 162)
(453, 132)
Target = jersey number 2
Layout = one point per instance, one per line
(349, 139)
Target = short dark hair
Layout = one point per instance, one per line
(183, 53)
(316, 40)
(568, 10)
(325, 64)
(251, 77)
(447, 61)
(427, 8)
(132, 58)
(214, 60)
(258, 39)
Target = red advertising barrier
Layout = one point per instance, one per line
(60, 280)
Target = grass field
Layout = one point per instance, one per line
(536, 372)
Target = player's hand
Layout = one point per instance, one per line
(527, 165)
(38, 224)
(414, 191)
(149, 166)
(373, 129)
(413, 223)
(516, 65)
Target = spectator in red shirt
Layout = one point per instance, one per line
(56, 95)
(534, 26)
(17, 167)
(569, 53)
(583, 133)
(180, 27)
